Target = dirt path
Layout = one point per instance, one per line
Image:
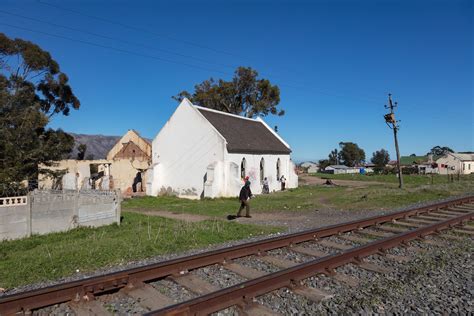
(305, 179)
(289, 219)
(172, 215)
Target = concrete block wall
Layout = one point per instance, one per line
(53, 211)
(14, 217)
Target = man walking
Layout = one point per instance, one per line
(244, 197)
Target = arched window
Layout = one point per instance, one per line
(278, 169)
(262, 169)
(242, 168)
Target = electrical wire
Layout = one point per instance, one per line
(115, 49)
(116, 39)
(144, 30)
(139, 29)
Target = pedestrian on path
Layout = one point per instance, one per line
(244, 197)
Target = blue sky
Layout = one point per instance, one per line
(334, 61)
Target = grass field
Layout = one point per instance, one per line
(409, 180)
(57, 255)
(384, 196)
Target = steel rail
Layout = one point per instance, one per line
(245, 292)
(74, 290)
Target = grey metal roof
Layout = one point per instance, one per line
(339, 167)
(244, 135)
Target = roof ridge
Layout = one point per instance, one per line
(225, 113)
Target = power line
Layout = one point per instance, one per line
(116, 49)
(140, 29)
(144, 30)
(116, 39)
(318, 91)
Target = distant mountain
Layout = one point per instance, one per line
(97, 145)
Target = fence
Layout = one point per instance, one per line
(42, 212)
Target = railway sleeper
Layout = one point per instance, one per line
(194, 283)
(246, 272)
(432, 217)
(332, 244)
(147, 296)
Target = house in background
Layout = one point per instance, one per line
(416, 164)
(341, 169)
(129, 156)
(310, 167)
(207, 153)
(456, 163)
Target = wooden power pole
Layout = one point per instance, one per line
(392, 123)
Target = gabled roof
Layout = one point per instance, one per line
(412, 160)
(338, 167)
(463, 157)
(245, 135)
(309, 164)
(130, 136)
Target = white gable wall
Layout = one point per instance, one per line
(182, 152)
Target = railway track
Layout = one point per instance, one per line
(325, 249)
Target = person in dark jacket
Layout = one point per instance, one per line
(244, 197)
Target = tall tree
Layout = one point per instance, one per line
(439, 151)
(350, 154)
(380, 158)
(323, 163)
(32, 90)
(333, 157)
(245, 94)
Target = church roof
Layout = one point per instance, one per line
(245, 135)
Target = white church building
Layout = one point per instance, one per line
(201, 152)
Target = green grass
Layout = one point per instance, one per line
(409, 180)
(309, 198)
(57, 255)
(292, 199)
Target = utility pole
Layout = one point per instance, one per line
(392, 123)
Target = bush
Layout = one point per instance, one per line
(409, 170)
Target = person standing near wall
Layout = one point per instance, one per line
(244, 197)
(265, 189)
(283, 182)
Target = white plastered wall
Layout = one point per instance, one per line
(452, 161)
(252, 170)
(182, 152)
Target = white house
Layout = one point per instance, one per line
(341, 169)
(312, 167)
(454, 163)
(206, 153)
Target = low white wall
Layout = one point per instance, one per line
(53, 211)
